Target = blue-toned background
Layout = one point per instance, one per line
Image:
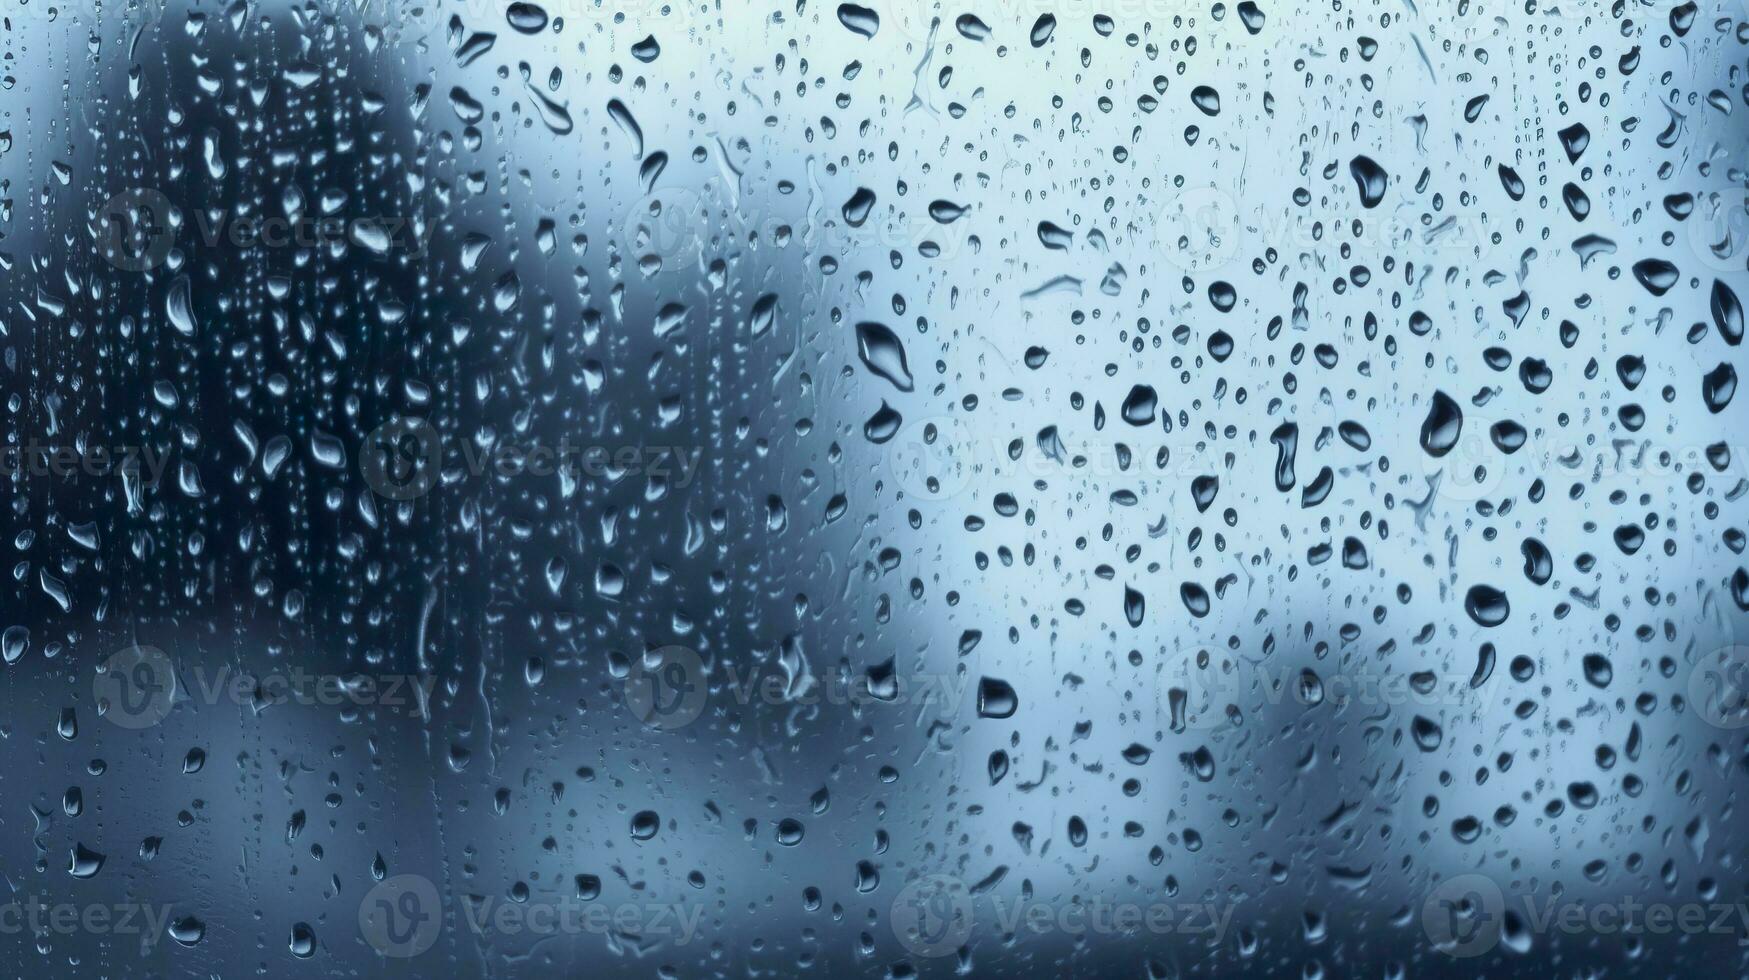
(500, 490)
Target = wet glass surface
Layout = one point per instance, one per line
(1131, 489)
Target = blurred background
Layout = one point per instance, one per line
(1110, 489)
